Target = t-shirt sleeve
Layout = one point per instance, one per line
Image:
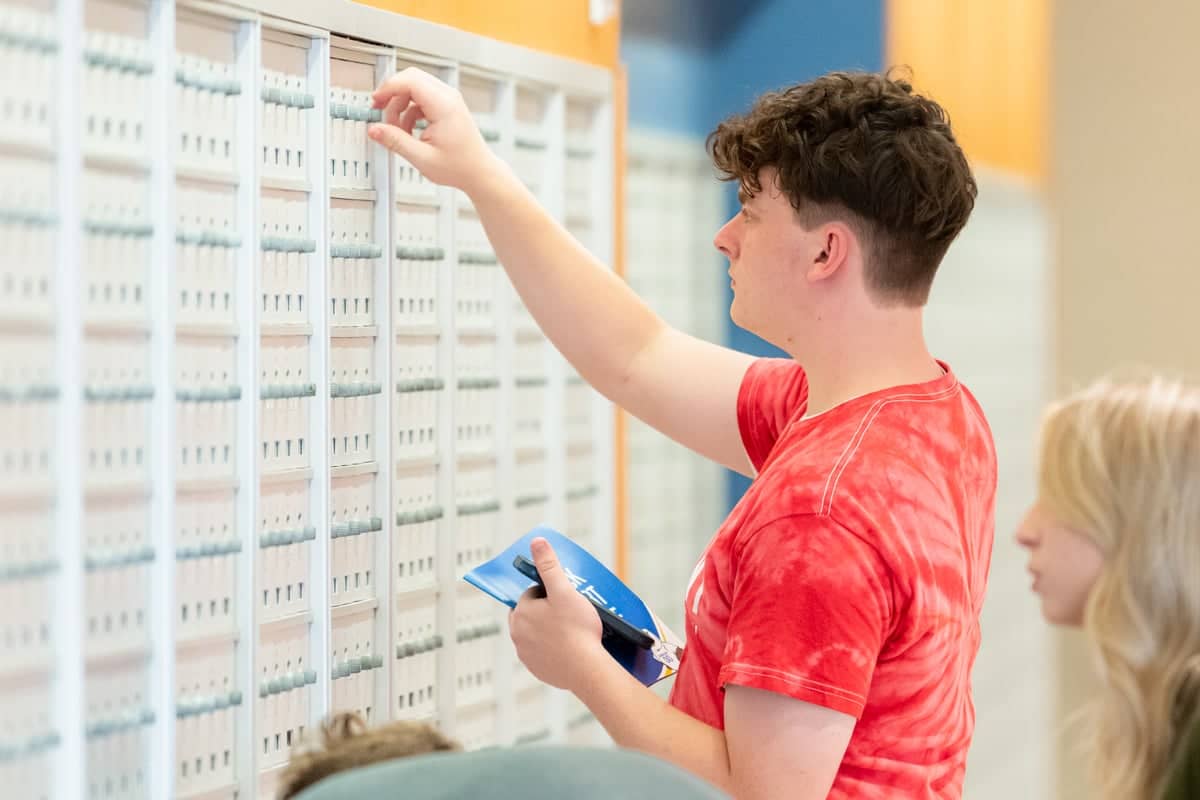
(811, 606)
(773, 391)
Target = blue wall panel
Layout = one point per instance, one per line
(668, 85)
(784, 41)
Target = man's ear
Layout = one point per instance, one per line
(835, 243)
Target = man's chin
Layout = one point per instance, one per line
(738, 316)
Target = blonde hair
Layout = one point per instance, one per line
(1120, 462)
(345, 743)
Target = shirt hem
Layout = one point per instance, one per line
(792, 686)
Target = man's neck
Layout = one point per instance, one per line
(884, 351)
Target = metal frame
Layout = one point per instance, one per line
(457, 53)
(161, 294)
(249, 57)
(68, 633)
(384, 429)
(318, 292)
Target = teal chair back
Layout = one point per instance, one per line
(527, 773)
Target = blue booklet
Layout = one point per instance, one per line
(503, 581)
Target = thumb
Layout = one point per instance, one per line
(401, 142)
(553, 576)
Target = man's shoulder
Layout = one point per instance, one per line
(862, 459)
(816, 458)
(865, 474)
(911, 446)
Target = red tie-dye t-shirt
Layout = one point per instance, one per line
(852, 573)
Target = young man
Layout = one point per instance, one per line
(834, 618)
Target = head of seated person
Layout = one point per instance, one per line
(346, 742)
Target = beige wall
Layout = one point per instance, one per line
(1124, 186)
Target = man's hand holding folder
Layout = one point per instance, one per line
(558, 634)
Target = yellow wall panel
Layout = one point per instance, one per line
(560, 27)
(987, 62)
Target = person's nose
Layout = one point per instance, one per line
(1027, 535)
(726, 239)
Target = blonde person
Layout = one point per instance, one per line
(1114, 543)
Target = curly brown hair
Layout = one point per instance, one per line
(345, 742)
(862, 147)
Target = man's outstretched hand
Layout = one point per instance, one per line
(450, 151)
(557, 636)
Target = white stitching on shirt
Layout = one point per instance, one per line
(860, 434)
(789, 677)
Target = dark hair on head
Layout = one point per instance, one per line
(865, 148)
